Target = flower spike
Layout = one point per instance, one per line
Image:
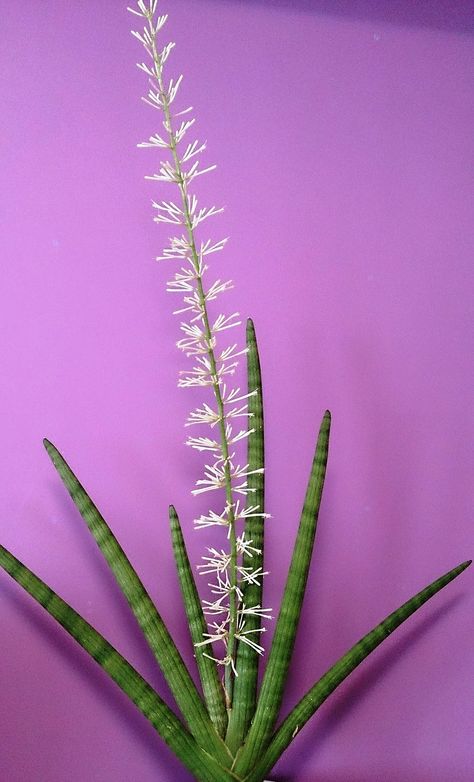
(212, 365)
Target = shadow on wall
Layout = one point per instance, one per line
(436, 14)
(356, 689)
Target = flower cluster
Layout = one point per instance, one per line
(212, 366)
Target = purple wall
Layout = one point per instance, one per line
(343, 135)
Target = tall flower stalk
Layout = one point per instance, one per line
(242, 743)
(227, 612)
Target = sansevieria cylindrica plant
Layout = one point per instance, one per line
(230, 728)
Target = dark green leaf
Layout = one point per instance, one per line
(245, 685)
(211, 685)
(150, 621)
(274, 680)
(313, 699)
(199, 763)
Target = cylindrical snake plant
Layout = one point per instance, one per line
(229, 729)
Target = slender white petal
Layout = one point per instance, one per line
(212, 520)
(224, 322)
(165, 53)
(218, 287)
(155, 141)
(198, 340)
(192, 149)
(204, 444)
(264, 613)
(207, 248)
(183, 128)
(173, 88)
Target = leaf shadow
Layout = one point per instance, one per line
(97, 681)
(443, 15)
(355, 692)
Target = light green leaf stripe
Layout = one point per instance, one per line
(199, 763)
(335, 675)
(245, 684)
(150, 621)
(211, 685)
(274, 680)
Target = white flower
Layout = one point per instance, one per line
(192, 149)
(215, 478)
(244, 546)
(217, 563)
(203, 415)
(165, 52)
(223, 588)
(184, 111)
(144, 67)
(231, 352)
(194, 332)
(203, 214)
(252, 576)
(183, 128)
(223, 322)
(193, 172)
(204, 444)
(243, 635)
(248, 512)
(213, 519)
(144, 38)
(154, 99)
(168, 213)
(238, 412)
(179, 248)
(173, 88)
(263, 613)
(167, 172)
(218, 287)
(156, 140)
(193, 304)
(184, 280)
(212, 366)
(233, 395)
(195, 381)
(240, 436)
(207, 248)
(219, 633)
(238, 473)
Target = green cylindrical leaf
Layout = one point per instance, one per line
(313, 699)
(159, 639)
(199, 763)
(211, 685)
(245, 684)
(274, 680)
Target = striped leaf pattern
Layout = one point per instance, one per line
(167, 655)
(199, 762)
(274, 680)
(313, 699)
(245, 684)
(211, 685)
(252, 747)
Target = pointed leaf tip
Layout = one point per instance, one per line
(201, 764)
(323, 688)
(151, 623)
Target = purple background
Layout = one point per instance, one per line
(343, 135)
